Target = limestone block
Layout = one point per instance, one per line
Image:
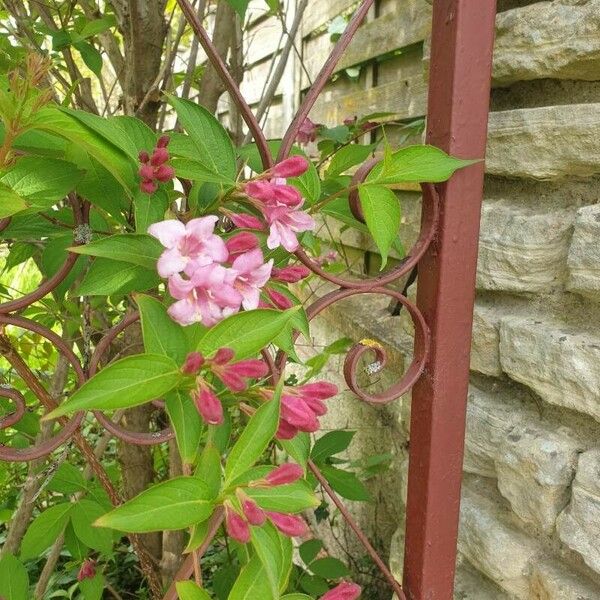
(470, 584)
(485, 345)
(521, 250)
(560, 364)
(548, 40)
(535, 466)
(553, 581)
(549, 142)
(584, 253)
(494, 546)
(579, 525)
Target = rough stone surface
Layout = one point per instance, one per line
(472, 585)
(579, 525)
(535, 466)
(560, 364)
(549, 142)
(494, 546)
(485, 344)
(584, 253)
(521, 250)
(553, 581)
(548, 39)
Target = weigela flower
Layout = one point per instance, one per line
(307, 132)
(275, 193)
(240, 243)
(249, 273)
(252, 512)
(292, 274)
(235, 374)
(188, 246)
(278, 299)
(344, 591)
(153, 169)
(284, 474)
(289, 525)
(294, 166)
(87, 570)
(193, 363)
(207, 403)
(284, 224)
(237, 527)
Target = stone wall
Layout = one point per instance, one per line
(530, 520)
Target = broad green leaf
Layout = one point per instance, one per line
(290, 498)
(296, 597)
(419, 163)
(84, 513)
(254, 438)
(275, 553)
(67, 480)
(346, 484)
(347, 157)
(197, 536)
(331, 443)
(215, 150)
(106, 277)
(309, 550)
(43, 181)
(92, 589)
(252, 583)
(149, 209)
(188, 590)
(140, 135)
(247, 332)
(53, 258)
(127, 382)
(240, 7)
(186, 423)
(44, 530)
(14, 580)
(209, 469)
(298, 447)
(136, 248)
(91, 57)
(329, 568)
(381, 208)
(74, 545)
(97, 26)
(197, 171)
(10, 202)
(173, 504)
(161, 334)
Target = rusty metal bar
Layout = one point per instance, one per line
(459, 89)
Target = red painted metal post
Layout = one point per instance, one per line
(461, 56)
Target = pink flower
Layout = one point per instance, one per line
(241, 242)
(208, 404)
(344, 591)
(246, 221)
(294, 166)
(207, 297)
(289, 525)
(87, 570)
(192, 364)
(153, 168)
(233, 375)
(273, 192)
(188, 246)
(297, 413)
(291, 274)
(307, 132)
(249, 274)
(237, 527)
(253, 513)
(286, 473)
(284, 224)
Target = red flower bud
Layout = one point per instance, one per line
(144, 156)
(208, 404)
(242, 242)
(192, 364)
(148, 186)
(286, 431)
(246, 221)
(163, 141)
(223, 356)
(344, 591)
(164, 173)
(291, 274)
(159, 157)
(87, 570)
(146, 172)
(289, 525)
(237, 527)
(287, 473)
(294, 166)
(278, 299)
(253, 513)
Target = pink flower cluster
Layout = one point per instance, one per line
(307, 132)
(234, 376)
(210, 279)
(302, 406)
(154, 169)
(279, 204)
(238, 525)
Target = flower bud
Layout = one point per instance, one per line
(144, 157)
(87, 570)
(280, 300)
(246, 221)
(148, 186)
(208, 405)
(287, 473)
(237, 527)
(344, 591)
(164, 173)
(242, 242)
(286, 431)
(291, 274)
(159, 157)
(192, 364)
(146, 172)
(294, 166)
(253, 513)
(289, 525)
(223, 356)
(163, 141)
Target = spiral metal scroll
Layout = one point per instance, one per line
(344, 288)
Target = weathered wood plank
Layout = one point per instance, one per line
(321, 12)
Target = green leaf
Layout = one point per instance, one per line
(42, 181)
(252, 583)
(309, 550)
(186, 423)
(347, 157)
(149, 209)
(14, 580)
(209, 469)
(346, 484)
(197, 536)
(329, 568)
(215, 150)
(91, 57)
(53, 258)
(188, 590)
(67, 480)
(247, 332)
(290, 498)
(107, 276)
(298, 447)
(140, 135)
(420, 163)
(161, 334)
(136, 248)
(296, 597)
(275, 554)
(127, 382)
(197, 171)
(173, 504)
(92, 589)
(74, 545)
(97, 26)
(44, 530)
(255, 437)
(331, 443)
(240, 6)
(381, 208)
(84, 513)
(10, 202)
